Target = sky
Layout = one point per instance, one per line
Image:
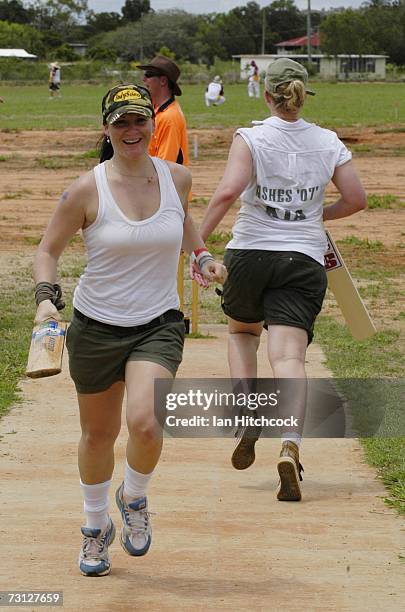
(216, 6)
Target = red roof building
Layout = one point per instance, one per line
(301, 41)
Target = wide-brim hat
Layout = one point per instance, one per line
(163, 66)
(124, 99)
(285, 70)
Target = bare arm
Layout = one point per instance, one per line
(353, 197)
(191, 237)
(182, 180)
(68, 218)
(238, 172)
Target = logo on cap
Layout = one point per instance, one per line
(126, 94)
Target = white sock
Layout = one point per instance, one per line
(135, 483)
(292, 436)
(96, 504)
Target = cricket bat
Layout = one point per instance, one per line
(46, 350)
(348, 298)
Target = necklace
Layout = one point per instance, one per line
(148, 178)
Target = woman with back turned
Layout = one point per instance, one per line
(275, 260)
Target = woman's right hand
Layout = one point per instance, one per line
(46, 310)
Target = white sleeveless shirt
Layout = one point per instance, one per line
(131, 272)
(282, 207)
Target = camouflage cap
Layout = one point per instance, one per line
(285, 70)
(124, 99)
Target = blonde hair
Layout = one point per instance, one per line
(289, 97)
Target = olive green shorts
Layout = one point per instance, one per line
(277, 287)
(98, 352)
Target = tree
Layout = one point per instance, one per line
(13, 11)
(102, 53)
(102, 22)
(346, 32)
(173, 29)
(134, 9)
(283, 21)
(386, 21)
(16, 35)
(59, 16)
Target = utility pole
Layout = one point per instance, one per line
(141, 39)
(263, 30)
(309, 32)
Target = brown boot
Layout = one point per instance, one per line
(289, 469)
(244, 454)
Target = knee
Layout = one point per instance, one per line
(144, 428)
(98, 439)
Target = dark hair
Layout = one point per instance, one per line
(105, 148)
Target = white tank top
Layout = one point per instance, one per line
(282, 207)
(131, 272)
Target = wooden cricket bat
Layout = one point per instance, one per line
(348, 298)
(46, 350)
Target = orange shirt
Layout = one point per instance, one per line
(169, 140)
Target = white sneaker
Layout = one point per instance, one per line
(93, 558)
(136, 533)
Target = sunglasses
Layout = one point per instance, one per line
(149, 74)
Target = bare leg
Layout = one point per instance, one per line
(100, 419)
(286, 349)
(145, 435)
(244, 340)
(143, 451)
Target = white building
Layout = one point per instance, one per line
(19, 53)
(79, 48)
(339, 67)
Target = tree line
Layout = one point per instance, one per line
(46, 27)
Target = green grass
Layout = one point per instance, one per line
(15, 331)
(378, 360)
(364, 243)
(384, 201)
(375, 358)
(337, 104)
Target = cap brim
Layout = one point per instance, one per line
(176, 89)
(126, 110)
(310, 92)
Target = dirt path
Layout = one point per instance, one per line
(221, 540)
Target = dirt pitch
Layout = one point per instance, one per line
(221, 540)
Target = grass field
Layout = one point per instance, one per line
(338, 104)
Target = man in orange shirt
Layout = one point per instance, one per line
(169, 140)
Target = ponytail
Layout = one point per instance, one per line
(289, 97)
(105, 148)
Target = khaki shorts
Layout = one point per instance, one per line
(277, 287)
(99, 352)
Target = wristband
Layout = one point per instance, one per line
(195, 254)
(203, 259)
(49, 291)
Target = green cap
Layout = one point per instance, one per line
(285, 70)
(124, 99)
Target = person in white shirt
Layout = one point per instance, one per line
(214, 95)
(54, 80)
(253, 80)
(127, 330)
(275, 260)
